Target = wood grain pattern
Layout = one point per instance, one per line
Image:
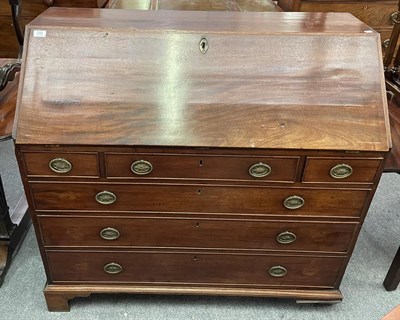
(318, 170)
(373, 13)
(201, 167)
(60, 294)
(198, 198)
(203, 101)
(73, 231)
(193, 268)
(83, 164)
(203, 5)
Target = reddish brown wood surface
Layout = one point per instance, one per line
(188, 98)
(57, 296)
(194, 268)
(198, 198)
(364, 171)
(83, 164)
(204, 5)
(218, 234)
(373, 13)
(206, 167)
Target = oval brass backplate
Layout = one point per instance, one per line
(106, 197)
(277, 271)
(109, 234)
(60, 165)
(341, 171)
(286, 237)
(293, 202)
(203, 45)
(259, 170)
(113, 268)
(141, 167)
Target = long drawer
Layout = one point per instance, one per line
(196, 233)
(193, 268)
(198, 198)
(134, 166)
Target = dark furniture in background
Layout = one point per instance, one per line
(378, 14)
(11, 233)
(31, 9)
(392, 76)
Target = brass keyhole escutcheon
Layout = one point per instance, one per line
(203, 45)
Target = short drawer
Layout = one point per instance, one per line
(197, 199)
(61, 164)
(135, 166)
(341, 170)
(373, 13)
(162, 268)
(196, 233)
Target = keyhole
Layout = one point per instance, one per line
(200, 163)
(194, 258)
(203, 45)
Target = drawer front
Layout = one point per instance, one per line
(196, 233)
(195, 198)
(341, 170)
(61, 164)
(193, 268)
(202, 167)
(374, 14)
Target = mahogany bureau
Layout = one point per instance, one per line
(181, 152)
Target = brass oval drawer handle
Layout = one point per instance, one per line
(293, 202)
(394, 17)
(106, 197)
(259, 170)
(113, 268)
(286, 237)
(109, 234)
(277, 271)
(60, 165)
(341, 171)
(141, 167)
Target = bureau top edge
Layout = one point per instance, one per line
(203, 21)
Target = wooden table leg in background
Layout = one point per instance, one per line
(393, 276)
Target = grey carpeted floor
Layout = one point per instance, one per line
(364, 296)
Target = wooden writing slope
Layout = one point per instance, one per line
(222, 153)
